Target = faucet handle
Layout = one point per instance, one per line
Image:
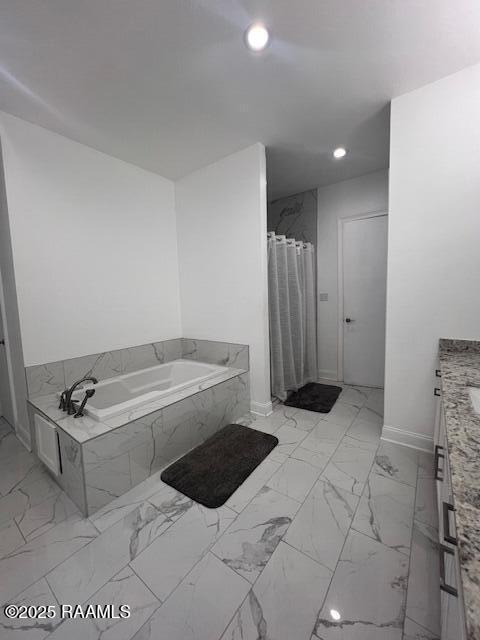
(88, 394)
(63, 403)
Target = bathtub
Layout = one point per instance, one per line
(125, 392)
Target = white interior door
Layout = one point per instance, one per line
(364, 300)
(6, 409)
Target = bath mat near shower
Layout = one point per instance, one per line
(211, 472)
(314, 397)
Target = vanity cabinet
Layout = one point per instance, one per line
(452, 607)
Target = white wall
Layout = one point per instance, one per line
(94, 247)
(434, 241)
(221, 217)
(341, 200)
(10, 322)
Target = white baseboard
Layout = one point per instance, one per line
(407, 438)
(261, 408)
(328, 374)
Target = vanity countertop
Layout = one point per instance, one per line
(86, 428)
(460, 368)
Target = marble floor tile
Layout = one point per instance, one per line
(366, 598)
(316, 458)
(279, 416)
(320, 527)
(82, 574)
(324, 438)
(423, 602)
(4, 427)
(10, 538)
(46, 515)
(124, 588)
(164, 564)
(38, 594)
(356, 396)
(153, 491)
(294, 478)
(342, 414)
(368, 414)
(426, 465)
(33, 560)
(413, 631)
(35, 489)
(375, 401)
(252, 485)
(285, 600)
(10, 445)
(426, 510)
(17, 469)
(200, 607)
(251, 539)
(17, 502)
(288, 439)
(397, 462)
(304, 420)
(366, 432)
(349, 466)
(267, 425)
(276, 456)
(385, 512)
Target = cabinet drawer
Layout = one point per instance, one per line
(452, 612)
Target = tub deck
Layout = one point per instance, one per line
(86, 428)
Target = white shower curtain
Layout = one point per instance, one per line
(293, 332)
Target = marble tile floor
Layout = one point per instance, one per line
(332, 537)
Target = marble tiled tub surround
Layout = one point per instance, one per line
(103, 459)
(460, 368)
(115, 457)
(289, 547)
(46, 379)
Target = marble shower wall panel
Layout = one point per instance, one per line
(52, 377)
(295, 216)
(227, 354)
(44, 379)
(100, 365)
(106, 459)
(149, 355)
(72, 478)
(124, 457)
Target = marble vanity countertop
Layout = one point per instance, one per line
(460, 368)
(86, 428)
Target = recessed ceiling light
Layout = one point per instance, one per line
(339, 152)
(335, 614)
(256, 37)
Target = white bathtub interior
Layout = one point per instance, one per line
(116, 395)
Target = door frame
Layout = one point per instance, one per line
(8, 355)
(340, 305)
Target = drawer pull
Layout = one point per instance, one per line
(447, 507)
(438, 455)
(443, 585)
(436, 392)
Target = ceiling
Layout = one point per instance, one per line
(169, 85)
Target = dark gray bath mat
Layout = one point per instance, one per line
(314, 397)
(211, 472)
